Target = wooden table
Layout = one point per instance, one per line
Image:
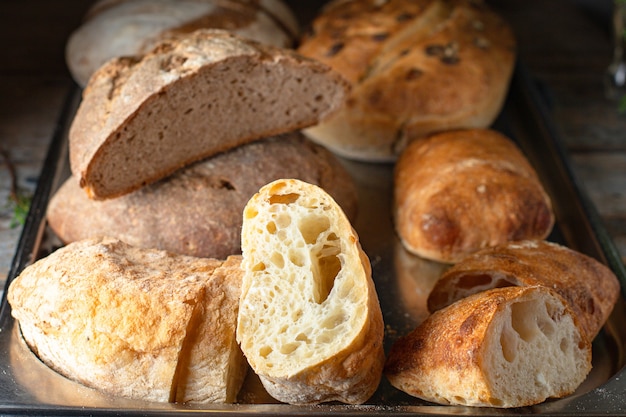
(565, 43)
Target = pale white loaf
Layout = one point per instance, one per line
(309, 320)
(136, 323)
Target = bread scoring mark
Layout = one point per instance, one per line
(335, 49)
(380, 37)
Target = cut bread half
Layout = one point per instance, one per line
(309, 320)
(590, 287)
(507, 347)
(136, 323)
(144, 117)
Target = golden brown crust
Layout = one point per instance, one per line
(416, 67)
(590, 287)
(197, 210)
(459, 191)
(461, 354)
(118, 318)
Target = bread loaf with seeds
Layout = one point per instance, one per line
(416, 67)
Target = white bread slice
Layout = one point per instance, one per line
(506, 347)
(136, 323)
(142, 118)
(309, 321)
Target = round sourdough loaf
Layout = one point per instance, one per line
(143, 118)
(198, 210)
(137, 323)
(416, 67)
(506, 347)
(590, 287)
(459, 191)
(309, 320)
(115, 28)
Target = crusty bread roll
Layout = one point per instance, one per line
(137, 323)
(460, 191)
(114, 28)
(507, 347)
(588, 286)
(415, 66)
(197, 210)
(309, 321)
(143, 118)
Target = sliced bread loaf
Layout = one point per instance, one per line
(143, 118)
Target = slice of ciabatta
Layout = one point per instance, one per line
(309, 320)
(194, 96)
(137, 323)
(506, 347)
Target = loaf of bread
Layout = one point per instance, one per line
(415, 66)
(506, 347)
(587, 285)
(143, 118)
(135, 323)
(309, 323)
(460, 191)
(197, 210)
(115, 28)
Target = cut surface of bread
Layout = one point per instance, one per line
(197, 210)
(460, 191)
(590, 287)
(507, 347)
(133, 27)
(143, 118)
(309, 320)
(416, 67)
(136, 323)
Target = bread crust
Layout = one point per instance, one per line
(590, 288)
(460, 191)
(143, 118)
(197, 210)
(114, 28)
(449, 358)
(312, 333)
(415, 67)
(136, 323)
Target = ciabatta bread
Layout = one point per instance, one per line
(460, 191)
(141, 119)
(137, 323)
(415, 66)
(507, 347)
(590, 287)
(309, 321)
(197, 210)
(115, 28)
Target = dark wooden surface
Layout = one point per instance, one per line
(565, 43)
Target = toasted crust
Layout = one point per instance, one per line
(309, 324)
(114, 28)
(416, 67)
(121, 319)
(460, 191)
(507, 347)
(142, 118)
(589, 287)
(197, 210)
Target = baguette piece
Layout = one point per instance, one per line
(114, 28)
(590, 288)
(506, 347)
(143, 118)
(136, 323)
(416, 67)
(197, 210)
(309, 321)
(460, 191)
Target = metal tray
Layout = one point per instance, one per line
(28, 387)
